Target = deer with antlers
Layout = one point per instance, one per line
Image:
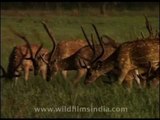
(75, 61)
(128, 57)
(62, 50)
(151, 77)
(19, 60)
(25, 58)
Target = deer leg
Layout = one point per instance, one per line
(64, 74)
(15, 81)
(155, 82)
(143, 83)
(129, 85)
(43, 72)
(26, 73)
(80, 74)
(129, 80)
(135, 74)
(54, 75)
(122, 76)
(16, 78)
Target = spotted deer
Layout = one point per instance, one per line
(75, 61)
(12, 71)
(18, 62)
(60, 51)
(128, 57)
(151, 77)
(104, 52)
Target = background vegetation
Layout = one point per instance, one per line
(122, 21)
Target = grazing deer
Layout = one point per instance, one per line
(75, 61)
(60, 51)
(63, 50)
(128, 57)
(18, 62)
(151, 77)
(103, 50)
(12, 71)
(66, 49)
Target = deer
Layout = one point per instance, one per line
(65, 49)
(111, 46)
(62, 50)
(18, 62)
(13, 72)
(31, 61)
(151, 77)
(59, 51)
(75, 61)
(128, 57)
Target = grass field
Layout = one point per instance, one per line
(20, 101)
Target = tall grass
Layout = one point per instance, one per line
(19, 101)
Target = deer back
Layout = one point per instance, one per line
(139, 52)
(68, 47)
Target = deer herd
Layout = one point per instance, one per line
(136, 60)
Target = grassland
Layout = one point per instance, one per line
(19, 101)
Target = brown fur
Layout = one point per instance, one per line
(129, 56)
(64, 50)
(84, 54)
(26, 65)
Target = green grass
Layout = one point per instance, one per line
(20, 100)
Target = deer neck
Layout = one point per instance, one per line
(110, 63)
(107, 68)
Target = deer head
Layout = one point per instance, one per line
(33, 58)
(150, 74)
(14, 71)
(96, 63)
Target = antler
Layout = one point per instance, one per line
(45, 61)
(20, 61)
(142, 35)
(3, 72)
(25, 40)
(93, 46)
(32, 58)
(52, 38)
(157, 35)
(38, 50)
(89, 44)
(28, 45)
(101, 44)
(149, 27)
(110, 40)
